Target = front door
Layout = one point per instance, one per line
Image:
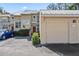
(34, 29)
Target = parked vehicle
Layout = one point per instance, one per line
(5, 34)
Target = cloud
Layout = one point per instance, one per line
(24, 8)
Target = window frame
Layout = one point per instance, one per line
(18, 24)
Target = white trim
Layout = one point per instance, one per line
(40, 26)
(56, 15)
(59, 12)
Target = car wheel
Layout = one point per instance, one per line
(3, 37)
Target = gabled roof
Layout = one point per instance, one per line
(30, 12)
(26, 12)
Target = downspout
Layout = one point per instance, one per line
(30, 32)
(40, 24)
(9, 23)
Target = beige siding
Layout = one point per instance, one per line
(17, 17)
(78, 31)
(26, 21)
(26, 17)
(43, 30)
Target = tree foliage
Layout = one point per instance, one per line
(1, 10)
(63, 6)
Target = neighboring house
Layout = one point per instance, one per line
(28, 19)
(5, 21)
(32, 19)
(59, 26)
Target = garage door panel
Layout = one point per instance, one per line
(57, 31)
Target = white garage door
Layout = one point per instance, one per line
(57, 30)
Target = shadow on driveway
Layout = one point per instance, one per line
(22, 37)
(64, 49)
(2, 40)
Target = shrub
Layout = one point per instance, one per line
(22, 32)
(15, 33)
(35, 38)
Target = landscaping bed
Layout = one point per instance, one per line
(22, 32)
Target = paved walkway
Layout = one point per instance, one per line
(22, 47)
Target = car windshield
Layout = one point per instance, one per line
(2, 30)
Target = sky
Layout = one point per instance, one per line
(14, 7)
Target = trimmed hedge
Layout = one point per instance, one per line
(35, 38)
(22, 32)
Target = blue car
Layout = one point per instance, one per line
(5, 34)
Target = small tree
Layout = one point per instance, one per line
(1, 10)
(72, 7)
(35, 38)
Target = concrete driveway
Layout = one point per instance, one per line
(21, 46)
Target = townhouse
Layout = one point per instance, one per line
(55, 26)
(28, 19)
(6, 21)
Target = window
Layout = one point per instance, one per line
(74, 21)
(5, 27)
(18, 24)
(23, 26)
(12, 17)
(33, 17)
